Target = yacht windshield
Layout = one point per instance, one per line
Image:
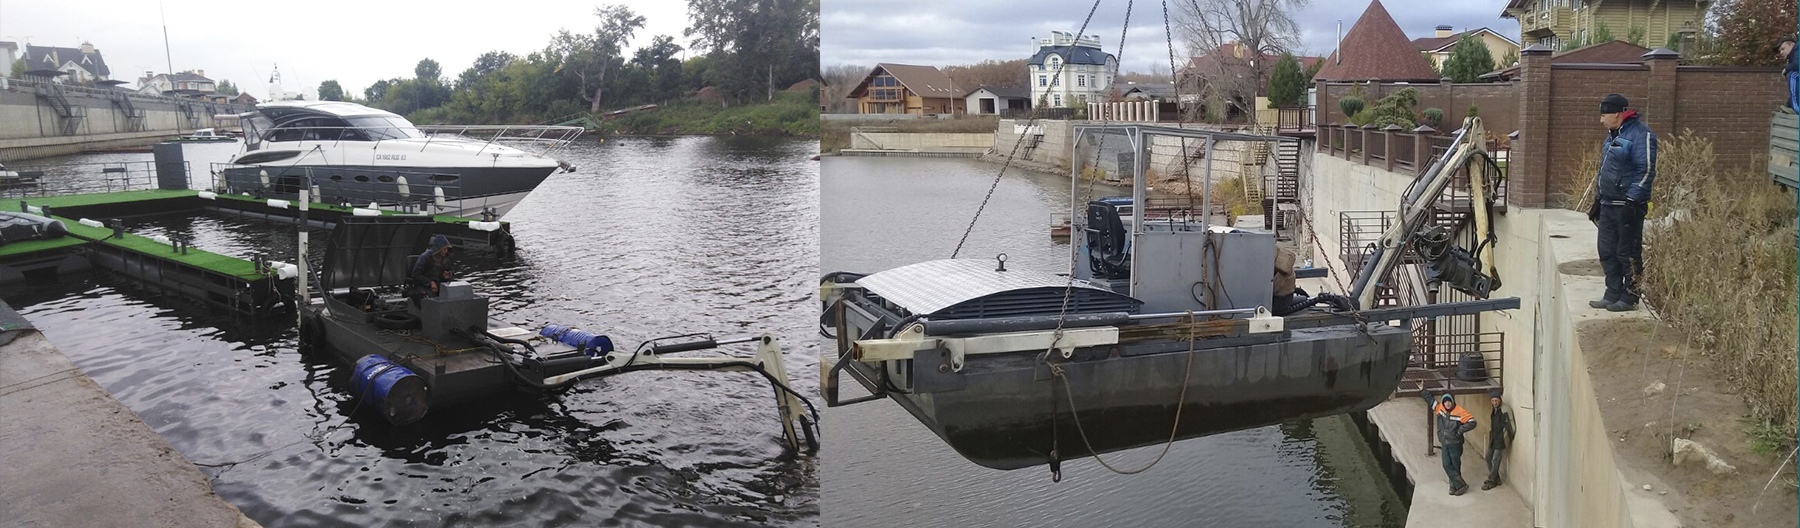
(379, 128)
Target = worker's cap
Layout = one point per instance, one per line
(1446, 397)
(1494, 393)
(1785, 39)
(1613, 103)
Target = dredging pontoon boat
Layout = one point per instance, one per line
(1165, 329)
(411, 358)
(356, 154)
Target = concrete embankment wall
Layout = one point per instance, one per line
(1165, 163)
(1561, 460)
(31, 128)
(925, 141)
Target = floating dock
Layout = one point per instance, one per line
(253, 288)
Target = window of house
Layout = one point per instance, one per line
(1081, 80)
(1058, 100)
(1041, 80)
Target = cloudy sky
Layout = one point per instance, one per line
(354, 42)
(948, 32)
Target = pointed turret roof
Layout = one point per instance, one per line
(1376, 49)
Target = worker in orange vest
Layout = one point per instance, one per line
(1452, 422)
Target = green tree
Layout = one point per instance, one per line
(18, 68)
(331, 91)
(226, 88)
(377, 91)
(662, 70)
(1286, 87)
(1602, 34)
(1635, 34)
(1313, 71)
(770, 42)
(1396, 109)
(1468, 60)
(427, 70)
(1511, 59)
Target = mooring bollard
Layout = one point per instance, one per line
(118, 227)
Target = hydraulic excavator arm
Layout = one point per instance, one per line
(1471, 272)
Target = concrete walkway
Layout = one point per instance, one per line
(74, 456)
(1402, 424)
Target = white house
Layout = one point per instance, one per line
(1070, 70)
(992, 100)
(190, 82)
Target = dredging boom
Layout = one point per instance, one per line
(1471, 273)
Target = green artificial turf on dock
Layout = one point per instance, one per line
(228, 265)
(34, 246)
(78, 200)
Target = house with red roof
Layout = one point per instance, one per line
(1375, 49)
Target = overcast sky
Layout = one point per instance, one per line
(354, 42)
(950, 32)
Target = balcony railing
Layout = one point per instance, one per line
(1291, 119)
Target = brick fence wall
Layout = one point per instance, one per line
(1560, 114)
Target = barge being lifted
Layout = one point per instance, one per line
(412, 357)
(1164, 330)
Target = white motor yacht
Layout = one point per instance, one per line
(354, 154)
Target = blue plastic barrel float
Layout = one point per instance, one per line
(395, 390)
(590, 343)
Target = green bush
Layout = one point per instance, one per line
(1396, 109)
(1351, 106)
(1433, 117)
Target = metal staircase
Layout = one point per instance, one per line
(1280, 208)
(193, 118)
(68, 115)
(134, 117)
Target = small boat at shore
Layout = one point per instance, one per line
(207, 135)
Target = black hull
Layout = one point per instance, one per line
(1007, 412)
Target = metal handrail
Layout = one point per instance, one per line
(554, 137)
(80, 178)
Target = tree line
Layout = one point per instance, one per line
(739, 52)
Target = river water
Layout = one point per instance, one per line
(884, 468)
(653, 237)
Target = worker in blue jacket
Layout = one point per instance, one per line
(1622, 198)
(1790, 73)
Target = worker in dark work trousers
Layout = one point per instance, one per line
(1500, 435)
(1452, 422)
(1622, 198)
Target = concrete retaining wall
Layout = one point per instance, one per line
(30, 127)
(921, 141)
(1561, 460)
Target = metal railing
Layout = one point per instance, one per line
(1294, 119)
(550, 137)
(80, 178)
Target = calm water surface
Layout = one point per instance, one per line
(884, 468)
(652, 237)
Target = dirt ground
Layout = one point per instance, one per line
(1626, 356)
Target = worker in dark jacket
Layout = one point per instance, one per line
(1452, 422)
(1622, 198)
(1500, 435)
(1790, 74)
(429, 269)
